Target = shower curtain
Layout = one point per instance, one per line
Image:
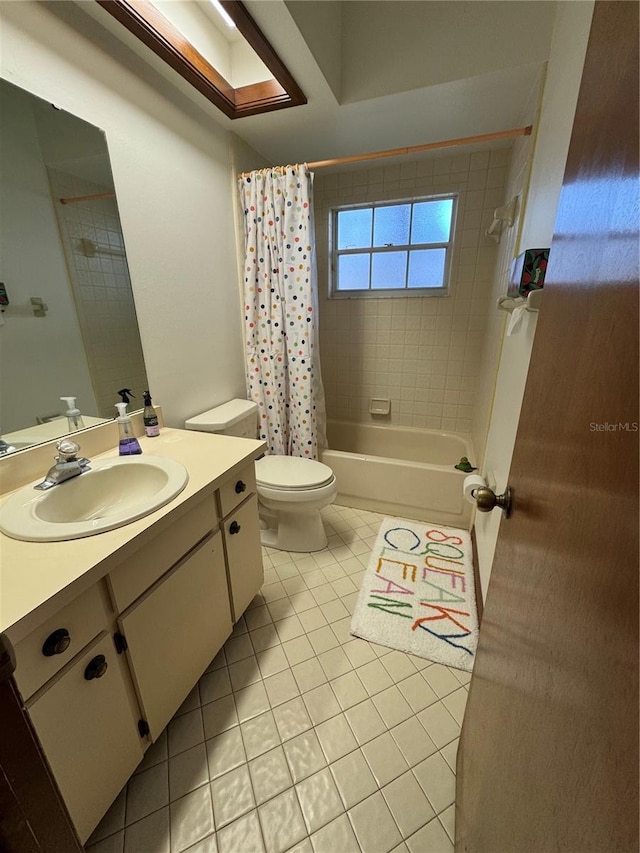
(280, 309)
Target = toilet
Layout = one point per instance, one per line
(291, 490)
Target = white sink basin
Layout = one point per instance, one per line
(113, 493)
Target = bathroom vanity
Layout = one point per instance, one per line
(112, 631)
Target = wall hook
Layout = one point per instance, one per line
(40, 308)
(505, 215)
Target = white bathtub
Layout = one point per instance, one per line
(399, 471)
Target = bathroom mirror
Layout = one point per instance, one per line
(68, 325)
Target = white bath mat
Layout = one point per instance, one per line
(418, 593)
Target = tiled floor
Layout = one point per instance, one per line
(300, 737)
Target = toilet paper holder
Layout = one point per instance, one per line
(486, 500)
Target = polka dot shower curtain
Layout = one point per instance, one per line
(281, 337)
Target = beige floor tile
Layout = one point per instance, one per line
(450, 753)
(270, 775)
(336, 738)
(232, 796)
(282, 822)
(191, 819)
(365, 721)
(151, 833)
(188, 771)
(353, 778)
(309, 674)
(456, 703)
(408, 804)
(374, 825)
(430, 839)
(335, 836)
(244, 834)
(219, 716)
(440, 725)
(441, 680)
(304, 755)
(448, 820)
(385, 759)
(415, 744)
(319, 800)
(291, 719)
(437, 780)
(321, 704)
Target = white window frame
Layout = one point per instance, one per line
(382, 293)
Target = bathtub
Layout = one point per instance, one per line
(399, 470)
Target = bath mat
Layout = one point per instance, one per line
(418, 593)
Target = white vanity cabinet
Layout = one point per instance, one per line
(86, 721)
(175, 629)
(241, 530)
(102, 675)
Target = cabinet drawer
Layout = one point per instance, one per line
(89, 734)
(143, 569)
(45, 651)
(174, 632)
(237, 489)
(244, 555)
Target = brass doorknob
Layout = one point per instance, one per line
(486, 500)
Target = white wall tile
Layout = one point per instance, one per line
(397, 347)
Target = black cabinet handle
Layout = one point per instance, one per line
(240, 487)
(234, 527)
(96, 668)
(56, 643)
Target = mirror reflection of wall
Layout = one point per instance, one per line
(71, 256)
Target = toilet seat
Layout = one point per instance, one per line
(292, 474)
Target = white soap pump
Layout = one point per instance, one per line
(73, 415)
(128, 444)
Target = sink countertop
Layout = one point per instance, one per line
(38, 578)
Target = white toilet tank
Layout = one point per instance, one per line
(237, 417)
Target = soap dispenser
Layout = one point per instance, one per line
(128, 444)
(149, 417)
(74, 418)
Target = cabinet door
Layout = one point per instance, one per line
(174, 632)
(89, 733)
(244, 555)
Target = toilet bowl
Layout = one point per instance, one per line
(291, 493)
(291, 490)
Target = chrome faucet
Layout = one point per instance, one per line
(67, 465)
(5, 448)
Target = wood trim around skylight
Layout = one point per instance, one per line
(142, 19)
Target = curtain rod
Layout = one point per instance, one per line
(76, 199)
(415, 149)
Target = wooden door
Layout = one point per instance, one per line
(548, 758)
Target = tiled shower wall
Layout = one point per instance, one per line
(421, 352)
(101, 291)
(516, 184)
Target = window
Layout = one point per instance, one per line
(400, 248)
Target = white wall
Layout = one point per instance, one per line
(172, 176)
(321, 28)
(397, 46)
(564, 73)
(33, 264)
